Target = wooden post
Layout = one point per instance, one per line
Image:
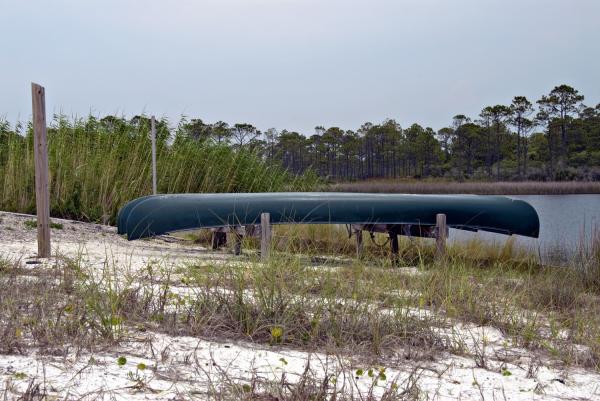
(395, 245)
(219, 238)
(440, 236)
(238, 232)
(359, 241)
(40, 149)
(265, 236)
(214, 240)
(237, 245)
(153, 133)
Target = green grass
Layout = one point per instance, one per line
(32, 224)
(98, 165)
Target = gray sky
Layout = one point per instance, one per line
(294, 64)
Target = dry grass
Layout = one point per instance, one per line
(352, 305)
(330, 379)
(283, 302)
(470, 187)
(547, 307)
(327, 383)
(346, 307)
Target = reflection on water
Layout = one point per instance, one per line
(566, 222)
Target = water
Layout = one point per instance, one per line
(566, 221)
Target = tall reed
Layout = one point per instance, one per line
(96, 165)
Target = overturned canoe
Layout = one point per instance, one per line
(160, 214)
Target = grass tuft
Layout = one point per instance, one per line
(32, 224)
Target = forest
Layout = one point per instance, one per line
(556, 137)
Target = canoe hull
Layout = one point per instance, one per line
(160, 214)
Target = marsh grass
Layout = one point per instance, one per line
(98, 165)
(469, 187)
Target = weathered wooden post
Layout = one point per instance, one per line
(40, 149)
(153, 133)
(359, 242)
(265, 236)
(239, 232)
(440, 236)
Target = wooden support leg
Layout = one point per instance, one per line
(395, 247)
(265, 236)
(440, 236)
(237, 247)
(238, 233)
(359, 243)
(214, 241)
(219, 239)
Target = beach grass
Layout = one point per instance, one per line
(365, 310)
(365, 306)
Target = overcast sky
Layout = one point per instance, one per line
(294, 64)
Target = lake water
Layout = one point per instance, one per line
(566, 221)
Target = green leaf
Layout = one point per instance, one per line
(276, 333)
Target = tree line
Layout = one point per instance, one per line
(556, 137)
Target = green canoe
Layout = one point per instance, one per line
(160, 214)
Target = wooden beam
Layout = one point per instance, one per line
(265, 236)
(441, 233)
(40, 149)
(153, 133)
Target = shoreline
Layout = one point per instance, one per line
(470, 187)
